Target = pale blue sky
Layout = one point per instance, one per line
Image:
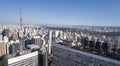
(70, 12)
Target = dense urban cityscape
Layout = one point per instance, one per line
(50, 45)
(58, 44)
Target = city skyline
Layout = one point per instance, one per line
(68, 12)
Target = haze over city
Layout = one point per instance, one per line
(68, 12)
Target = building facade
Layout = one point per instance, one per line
(37, 41)
(2, 48)
(30, 59)
(74, 57)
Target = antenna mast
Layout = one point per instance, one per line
(21, 14)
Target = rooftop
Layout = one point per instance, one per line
(33, 46)
(22, 57)
(88, 54)
(18, 54)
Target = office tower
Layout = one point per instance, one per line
(75, 39)
(53, 37)
(105, 47)
(92, 43)
(110, 46)
(50, 42)
(118, 41)
(2, 48)
(13, 47)
(27, 41)
(57, 33)
(25, 31)
(45, 50)
(8, 48)
(118, 47)
(6, 32)
(40, 59)
(85, 42)
(98, 46)
(61, 35)
(65, 35)
(27, 59)
(37, 41)
(45, 58)
(42, 41)
(5, 38)
(20, 34)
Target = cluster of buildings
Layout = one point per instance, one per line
(16, 43)
(35, 43)
(95, 40)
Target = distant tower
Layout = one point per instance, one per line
(21, 14)
(21, 27)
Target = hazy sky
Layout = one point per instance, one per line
(75, 12)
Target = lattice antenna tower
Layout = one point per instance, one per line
(21, 19)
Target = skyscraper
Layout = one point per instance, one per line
(50, 42)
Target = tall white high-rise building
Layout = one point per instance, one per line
(50, 42)
(61, 35)
(5, 39)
